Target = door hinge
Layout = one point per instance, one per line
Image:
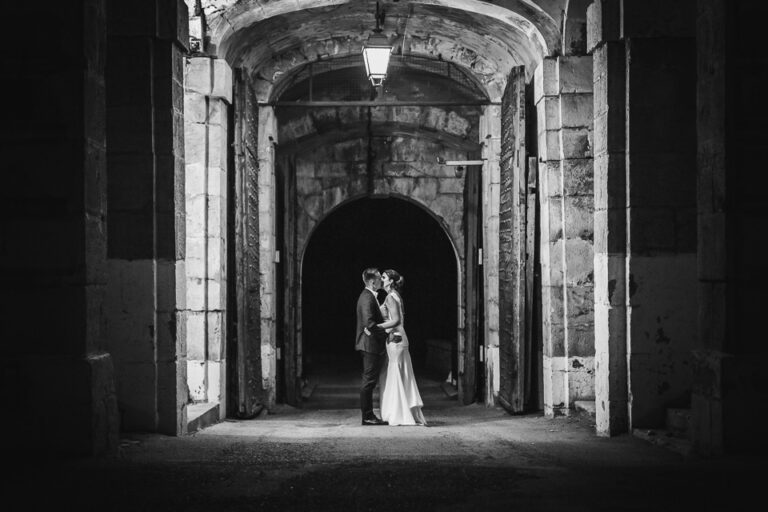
(279, 353)
(482, 354)
(277, 256)
(480, 256)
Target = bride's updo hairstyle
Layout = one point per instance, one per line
(397, 280)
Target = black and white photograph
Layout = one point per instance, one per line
(393, 255)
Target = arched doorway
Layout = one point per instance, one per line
(382, 233)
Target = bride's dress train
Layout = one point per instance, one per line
(400, 399)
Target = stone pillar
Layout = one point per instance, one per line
(661, 206)
(146, 211)
(267, 138)
(729, 353)
(207, 96)
(655, 236)
(490, 135)
(547, 102)
(576, 168)
(611, 400)
(563, 99)
(57, 373)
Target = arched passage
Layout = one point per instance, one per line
(382, 233)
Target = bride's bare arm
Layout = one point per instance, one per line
(394, 313)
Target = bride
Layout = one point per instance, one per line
(400, 399)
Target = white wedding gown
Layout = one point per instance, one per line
(400, 399)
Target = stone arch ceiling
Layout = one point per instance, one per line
(268, 38)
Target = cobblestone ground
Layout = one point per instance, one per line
(469, 458)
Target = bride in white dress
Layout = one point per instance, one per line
(400, 399)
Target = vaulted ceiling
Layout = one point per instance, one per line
(269, 38)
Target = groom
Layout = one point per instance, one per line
(370, 342)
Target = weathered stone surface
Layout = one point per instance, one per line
(603, 23)
(545, 79)
(574, 74)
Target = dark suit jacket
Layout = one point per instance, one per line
(368, 315)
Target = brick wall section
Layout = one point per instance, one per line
(53, 255)
(729, 352)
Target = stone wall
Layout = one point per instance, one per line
(730, 351)
(406, 145)
(654, 238)
(333, 164)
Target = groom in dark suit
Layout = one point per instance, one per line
(370, 342)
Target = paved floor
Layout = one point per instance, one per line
(469, 458)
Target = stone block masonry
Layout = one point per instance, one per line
(331, 167)
(563, 100)
(208, 93)
(146, 222)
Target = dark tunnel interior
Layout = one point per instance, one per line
(387, 234)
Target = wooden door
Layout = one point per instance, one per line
(244, 348)
(288, 286)
(473, 285)
(513, 207)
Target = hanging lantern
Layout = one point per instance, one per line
(376, 52)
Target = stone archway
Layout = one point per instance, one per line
(390, 232)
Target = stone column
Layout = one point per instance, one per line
(576, 168)
(146, 211)
(57, 372)
(729, 353)
(207, 96)
(490, 135)
(658, 241)
(563, 99)
(609, 69)
(547, 102)
(267, 138)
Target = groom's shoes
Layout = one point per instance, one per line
(373, 420)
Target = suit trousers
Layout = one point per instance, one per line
(371, 369)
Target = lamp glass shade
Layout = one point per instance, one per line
(376, 54)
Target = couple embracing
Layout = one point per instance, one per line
(381, 338)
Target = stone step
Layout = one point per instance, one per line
(201, 415)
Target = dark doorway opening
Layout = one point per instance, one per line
(382, 233)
